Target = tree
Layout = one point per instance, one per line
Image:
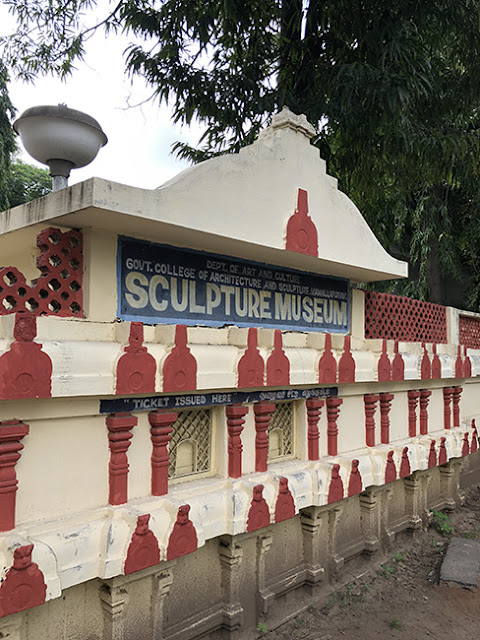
(7, 137)
(26, 182)
(391, 86)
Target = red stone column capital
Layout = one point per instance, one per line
(235, 420)
(263, 414)
(11, 433)
(160, 432)
(119, 435)
(314, 409)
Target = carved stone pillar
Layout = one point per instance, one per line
(413, 397)
(333, 409)
(314, 409)
(370, 519)
(11, 433)
(450, 483)
(457, 392)
(162, 581)
(231, 555)
(447, 398)
(370, 400)
(386, 400)
(114, 601)
(235, 422)
(160, 433)
(266, 597)
(314, 522)
(424, 400)
(388, 535)
(263, 414)
(413, 486)
(336, 561)
(119, 436)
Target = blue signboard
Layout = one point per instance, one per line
(164, 284)
(196, 400)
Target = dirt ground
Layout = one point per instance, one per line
(401, 598)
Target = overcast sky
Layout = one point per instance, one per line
(138, 150)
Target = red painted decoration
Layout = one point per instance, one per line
(424, 400)
(263, 414)
(413, 397)
(302, 235)
(251, 366)
(436, 364)
(11, 432)
(355, 481)
(259, 513)
(285, 505)
(405, 464)
(346, 364)
(327, 367)
(459, 372)
(425, 367)
(136, 368)
(58, 290)
(385, 404)
(384, 366)
(160, 432)
(25, 370)
(457, 392)
(143, 551)
(335, 491)
(469, 330)
(442, 456)
(235, 420)
(119, 436)
(432, 455)
(278, 365)
(398, 366)
(180, 366)
(467, 364)
(370, 400)
(400, 318)
(183, 539)
(333, 409)
(24, 585)
(474, 445)
(314, 408)
(465, 445)
(390, 469)
(447, 398)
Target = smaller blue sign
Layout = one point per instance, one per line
(197, 400)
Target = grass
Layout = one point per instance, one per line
(395, 624)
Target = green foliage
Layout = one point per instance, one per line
(395, 624)
(26, 182)
(441, 523)
(392, 88)
(262, 627)
(7, 138)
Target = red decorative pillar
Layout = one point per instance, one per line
(333, 409)
(447, 398)
(413, 397)
(119, 436)
(11, 432)
(385, 404)
(263, 414)
(457, 392)
(370, 400)
(160, 431)
(235, 422)
(424, 400)
(314, 408)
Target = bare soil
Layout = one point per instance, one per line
(402, 597)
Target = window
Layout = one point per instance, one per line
(190, 445)
(280, 431)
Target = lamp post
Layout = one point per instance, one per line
(60, 137)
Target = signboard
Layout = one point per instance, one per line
(196, 400)
(164, 284)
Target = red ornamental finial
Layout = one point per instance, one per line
(355, 481)
(384, 367)
(180, 366)
(302, 235)
(183, 539)
(143, 551)
(390, 469)
(259, 513)
(278, 365)
(398, 366)
(285, 505)
(251, 365)
(432, 455)
(327, 367)
(335, 491)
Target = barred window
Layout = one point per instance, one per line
(190, 445)
(280, 431)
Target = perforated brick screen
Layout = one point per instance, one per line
(58, 290)
(469, 332)
(400, 318)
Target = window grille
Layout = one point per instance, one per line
(190, 445)
(280, 431)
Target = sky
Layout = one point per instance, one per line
(139, 138)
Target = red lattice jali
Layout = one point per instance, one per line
(400, 318)
(58, 290)
(469, 332)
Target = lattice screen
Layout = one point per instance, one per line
(281, 431)
(469, 329)
(190, 446)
